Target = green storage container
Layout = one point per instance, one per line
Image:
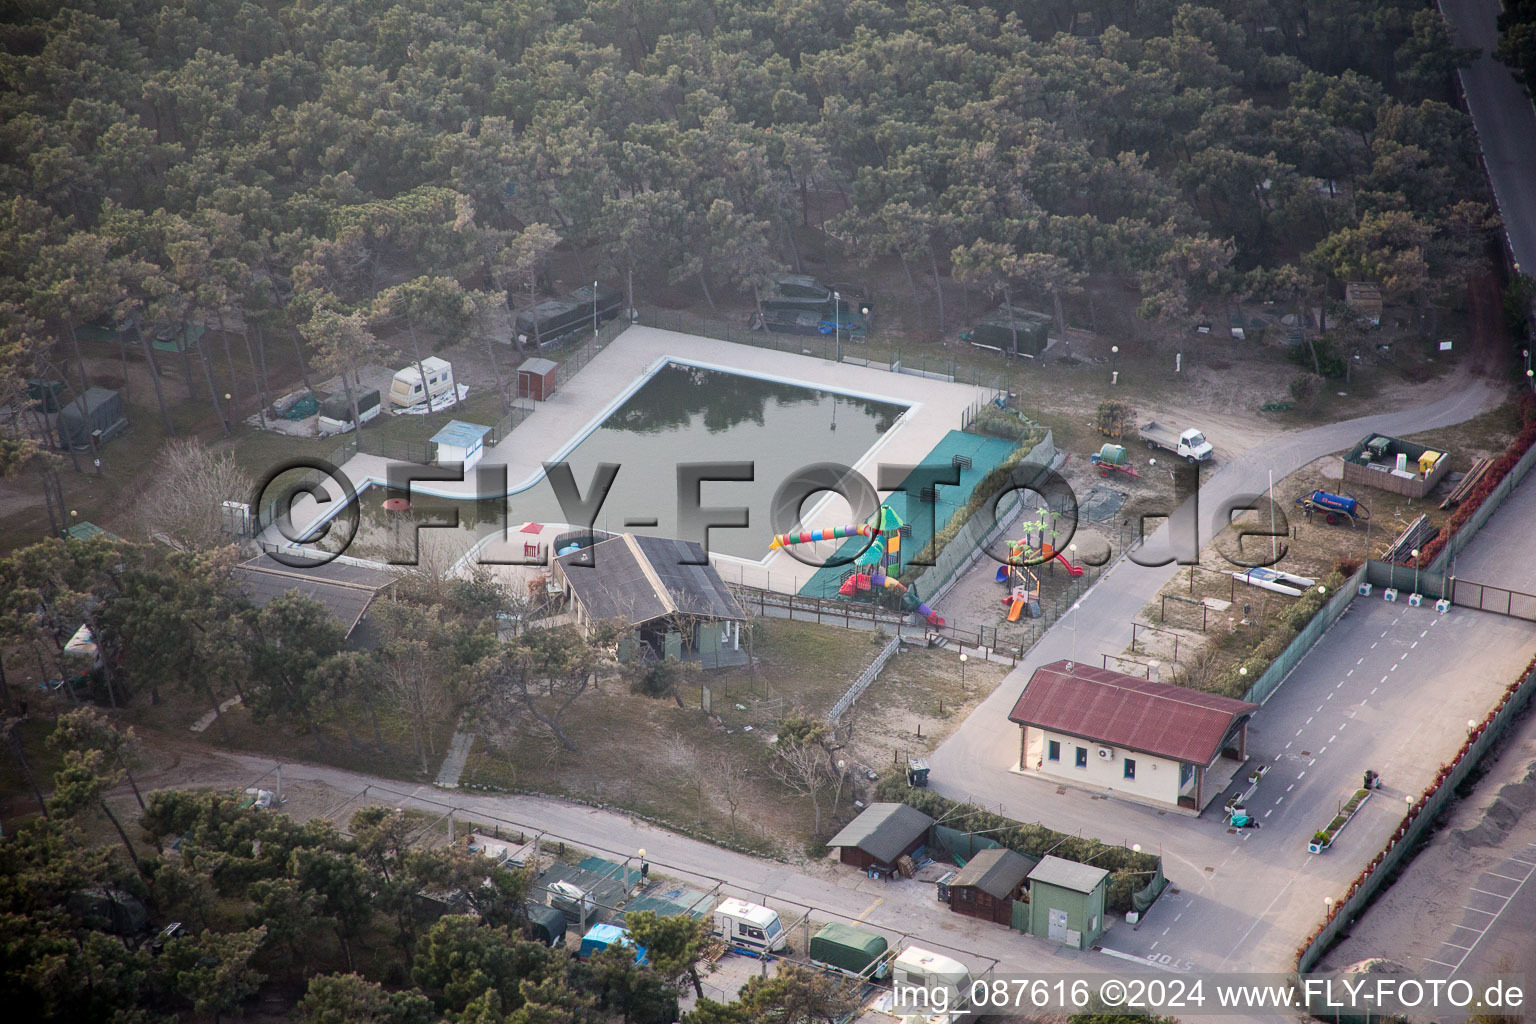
(1113, 455)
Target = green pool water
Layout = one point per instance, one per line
(682, 413)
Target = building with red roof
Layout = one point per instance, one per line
(1148, 740)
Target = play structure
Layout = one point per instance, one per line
(1113, 458)
(876, 567)
(1023, 585)
(1334, 507)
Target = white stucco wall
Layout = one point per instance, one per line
(1156, 778)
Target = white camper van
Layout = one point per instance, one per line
(408, 389)
(944, 981)
(750, 925)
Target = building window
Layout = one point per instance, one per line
(1130, 768)
(1053, 750)
(1082, 757)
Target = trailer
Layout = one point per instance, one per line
(749, 927)
(1189, 444)
(554, 320)
(336, 412)
(847, 950)
(1334, 507)
(1113, 458)
(1273, 579)
(408, 389)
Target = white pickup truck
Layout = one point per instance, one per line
(1189, 445)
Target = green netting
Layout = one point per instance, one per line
(985, 453)
(1144, 898)
(961, 846)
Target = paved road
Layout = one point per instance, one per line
(1243, 902)
(1495, 557)
(1506, 124)
(898, 908)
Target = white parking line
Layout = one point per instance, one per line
(1507, 878)
(1442, 963)
(1485, 892)
(1455, 946)
(1517, 860)
(1475, 910)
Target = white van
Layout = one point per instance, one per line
(751, 926)
(408, 390)
(944, 981)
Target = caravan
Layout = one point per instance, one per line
(408, 390)
(750, 926)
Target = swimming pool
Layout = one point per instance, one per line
(680, 412)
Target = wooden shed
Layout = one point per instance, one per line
(881, 835)
(536, 379)
(987, 886)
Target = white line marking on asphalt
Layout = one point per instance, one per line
(1312, 762)
(1343, 726)
(1394, 667)
(1455, 946)
(1374, 689)
(1288, 745)
(1309, 721)
(1303, 772)
(1350, 672)
(1506, 878)
(1298, 732)
(1290, 787)
(1338, 684)
(1412, 646)
(1384, 632)
(1490, 913)
(1469, 928)
(1279, 800)
(1517, 860)
(1363, 700)
(1320, 753)
(1405, 655)
(1266, 814)
(1154, 945)
(1178, 915)
(1383, 678)
(1332, 738)
(1329, 697)
(1165, 931)
(1428, 960)
(1138, 959)
(1360, 662)
(1424, 634)
(1373, 646)
(1485, 892)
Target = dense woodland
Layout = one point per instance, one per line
(344, 177)
(349, 180)
(1517, 41)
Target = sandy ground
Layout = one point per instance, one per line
(1409, 922)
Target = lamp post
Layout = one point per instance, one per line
(963, 659)
(1415, 553)
(594, 310)
(645, 869)
(1114, 364)
(837, 314)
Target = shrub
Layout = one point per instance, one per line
(1320, 838)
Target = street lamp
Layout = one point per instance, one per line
(594, 310)
(963, 659)
(1114, 364)
(837, 314)
(1471, 724)
(645, 869)
(1415, 553)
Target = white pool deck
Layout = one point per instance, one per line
(935, 407)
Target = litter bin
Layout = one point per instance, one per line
(917, 773)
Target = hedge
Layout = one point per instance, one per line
(1286, 627)
(1129, 871)
(990, 485)
(1486, 486)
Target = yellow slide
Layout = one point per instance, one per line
(1014, 612)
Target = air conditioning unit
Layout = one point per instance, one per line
(1106, 753)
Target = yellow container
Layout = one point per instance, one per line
(1427, 462)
